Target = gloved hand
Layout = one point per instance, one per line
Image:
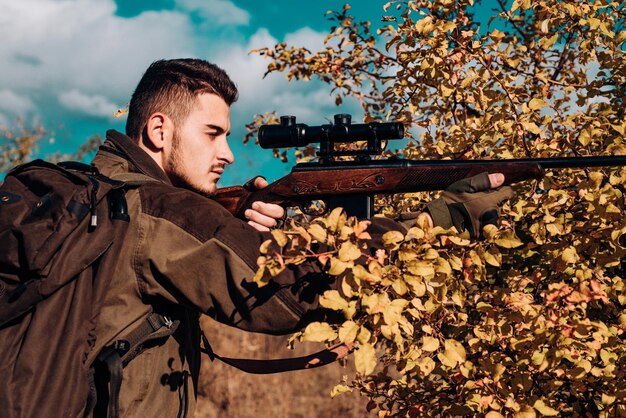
(470, 204)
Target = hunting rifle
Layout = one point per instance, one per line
(353, 184)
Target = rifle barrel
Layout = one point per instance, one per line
(580, 162)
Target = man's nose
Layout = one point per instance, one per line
(225, 153)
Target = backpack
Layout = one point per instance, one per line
(61, 227)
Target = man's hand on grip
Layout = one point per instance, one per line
(470, 204)
(262, 216)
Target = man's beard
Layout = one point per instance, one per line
(175, 169)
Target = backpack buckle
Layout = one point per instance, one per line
(168, 322)
(121, 346)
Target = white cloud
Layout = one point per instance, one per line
(50, 47)
(222, 12)
(307, 38)
(93, 105)
(11, 102)
(4, 122)
(309, 101)
(55, 47)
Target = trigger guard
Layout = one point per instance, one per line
(314, 208)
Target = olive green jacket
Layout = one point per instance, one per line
(184, 255)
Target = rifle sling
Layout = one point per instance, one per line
(254, 366)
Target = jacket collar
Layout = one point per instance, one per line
(128, 149)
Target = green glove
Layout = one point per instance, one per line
(468, 204)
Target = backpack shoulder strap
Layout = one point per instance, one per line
(133, 179)
(118, 354)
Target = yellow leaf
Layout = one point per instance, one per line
(426, 365)
(531, 127)
(421, 268)
(365, 359)
(335, 220)
(455, 262)
(318, 232)
(525, 412)
(349, 252)
(570, 256)
(593, 23)
(415, 233)
(508, 239)
(545, 409)
(585, 137)
(605, 30)
(362, 274)
(608, 399)
(443, 267)
(493, 257)
(596, 179)
(350, 310)
(456, 350)
(392, 313)
(337, 266)
(446, 91)
(375, 303)
(468, 80)
(489, 231)
(417, 285)
(400, 287)
(259, 277)
(407, 255)
(280, 237)
(348, 331)
(339, 389)
(547, 43)
(364, 335)
(265, 246)
(120, 112)
(392, 237)
(318, 332)
(431, 254)
(536, 104)
(447, 360)
(345, 233)
(461, 242)
(430, 343)
(331, 299)
(611, 208)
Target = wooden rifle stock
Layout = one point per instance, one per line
(346, 181)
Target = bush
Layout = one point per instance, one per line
(529, 321)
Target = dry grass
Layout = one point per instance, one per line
(227, 392)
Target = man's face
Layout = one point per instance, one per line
(200, 150)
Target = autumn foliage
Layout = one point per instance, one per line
(530, 320)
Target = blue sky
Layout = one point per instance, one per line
(70, 64)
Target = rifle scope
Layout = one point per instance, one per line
(292, 134)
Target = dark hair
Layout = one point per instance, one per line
(171, 87)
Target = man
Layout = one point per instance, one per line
(184, 254)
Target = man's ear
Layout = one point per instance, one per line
(157, 131)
